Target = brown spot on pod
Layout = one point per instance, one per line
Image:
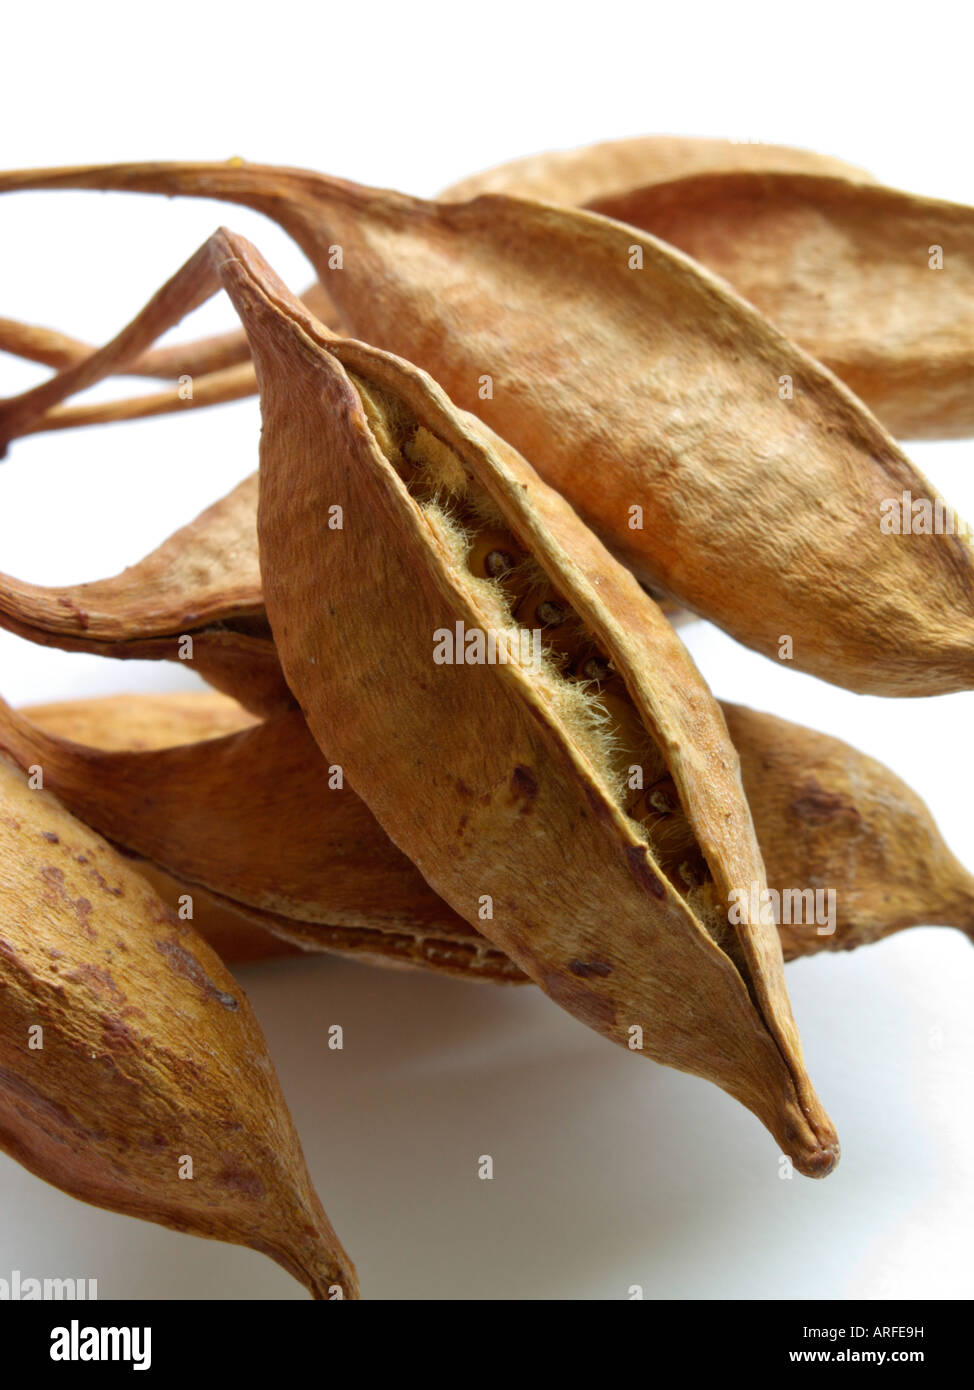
(184, 963)
(816, 805)
(524, 784)
(586, 969)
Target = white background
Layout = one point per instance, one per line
(609, 1172)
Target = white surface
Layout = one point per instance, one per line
(609, 1172)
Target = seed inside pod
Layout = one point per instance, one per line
(692, 871)
(525, 598)
(549, 612)
(662, 799)
(597, 669)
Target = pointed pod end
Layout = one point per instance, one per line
(321, 1266)
(308, 1248)
(818, 1162)
(340, 1285)
(811, 1145)
(804, 1132)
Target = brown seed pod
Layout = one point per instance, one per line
(667, 962)
(618, 358)
(828, 816)
(148, 1057)
(494, 777)
(202, 584)
(849, 270)
(249, 821)
(142, 721)
(160, 721)
(574, 177)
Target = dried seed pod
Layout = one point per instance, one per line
(576, 176)
(826, 815)
(649, 374)
(495, 776)
(142, 721)
(557, 176)
(875, 283)
(202, 584)
(668, 959)
(829, 817)
(299, 855)
(149, 1066)
(236, 939)
(160, 721)
(182, 808)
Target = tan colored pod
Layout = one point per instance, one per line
(137, 722)
(556, 176)
(828, 816)
(648, 393)
(497, 779)
(203, 584)
(876, 283)
(576, 176)
(248, 815)
(151, 1057)
(159, 721)
(255, 822)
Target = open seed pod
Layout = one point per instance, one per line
(197, 598)
(617, 358)
(118, 1020)
(850, 270)
(511, 784)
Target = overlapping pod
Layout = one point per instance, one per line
(202, 583)
(876, 283)
(141, 722)
(572, 176)
(158, 721)
(260, 822)
(512, 785)
(577, 176)
(127, 1053)
(828, 818)
(650, 395)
